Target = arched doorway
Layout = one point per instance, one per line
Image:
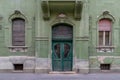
(62, 49)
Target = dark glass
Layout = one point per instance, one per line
(18, 32)
(107, 34)
(62, 32)
(100, 38)
(57, 50)
(66, 50)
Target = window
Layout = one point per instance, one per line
(104, 38)
(18, 66)
(105, 32)
(105, 66)
(18, 32)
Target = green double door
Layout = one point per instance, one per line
(62, 55)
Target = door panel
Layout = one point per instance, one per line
(62, 56)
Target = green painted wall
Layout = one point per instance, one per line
(38, 30)
(95, 10)
(7, 8)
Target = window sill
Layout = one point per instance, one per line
(105, 48)
(18, 48)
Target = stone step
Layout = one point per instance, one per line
(62, 72)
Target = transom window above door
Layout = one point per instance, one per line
(62, 32)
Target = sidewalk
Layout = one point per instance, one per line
(30, 76)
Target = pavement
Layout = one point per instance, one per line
(32, 76)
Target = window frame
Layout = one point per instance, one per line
(104, 38)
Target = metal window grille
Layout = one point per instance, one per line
(105, 66)
(18, 66)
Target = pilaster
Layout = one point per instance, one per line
(82, 42)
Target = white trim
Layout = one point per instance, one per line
(104, 37)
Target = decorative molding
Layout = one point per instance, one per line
(106, 14)
(105, 48)
(90, 22)
(0, 27)
(62, 18)
(18, 48)
(46, 10)
(42, 38)
(17, 14)
(85, 38)
(76, 8)
(1, 17)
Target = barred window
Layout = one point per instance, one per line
(18, 32)
(105, 66)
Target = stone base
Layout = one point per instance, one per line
(29, 70)
(42, 71)
(81, 66)
(6, 70)
(83, 71)
(104, 71)
(63, 72)
(42, 65)
(7, 63)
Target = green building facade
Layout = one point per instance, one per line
(47, 36)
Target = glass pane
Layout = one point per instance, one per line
(62, 32)
(57, 50)
(20, 43)
(18, 39)
(18, 32)
(66, 50)
(107, 34)
(100, 37)
(18, 25)
(105, 25)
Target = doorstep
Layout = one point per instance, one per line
(62, 72)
